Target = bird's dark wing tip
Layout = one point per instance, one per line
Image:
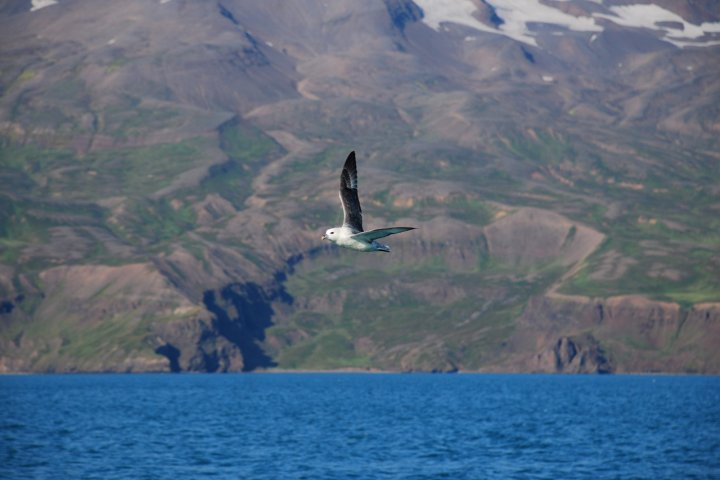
(350, 163)
(348, 176)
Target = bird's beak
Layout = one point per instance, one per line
(323, 237)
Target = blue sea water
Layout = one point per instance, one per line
(367, 426)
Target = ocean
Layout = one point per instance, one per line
(364, 426)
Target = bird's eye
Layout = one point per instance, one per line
(332, 233)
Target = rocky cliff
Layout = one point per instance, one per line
(617, 334)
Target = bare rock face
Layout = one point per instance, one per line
(581, 354)
(196, 346)
(618, 334)
(403, 12)
(530, 236)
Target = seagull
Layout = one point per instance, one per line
(350, 234)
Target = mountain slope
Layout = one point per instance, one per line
(167, 169)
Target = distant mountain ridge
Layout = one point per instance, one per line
(168, 167)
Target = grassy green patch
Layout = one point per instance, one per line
(31, 159)
(116, 65)
(139, 121)
(542, 147)
(26, 222)
(122, 332)
(248, 150)
(154, 222)
(247, 144)
(139, 171)
(330, 350)
(698, 280)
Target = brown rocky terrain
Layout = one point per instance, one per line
(167, 169)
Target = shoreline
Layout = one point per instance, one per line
(362, 371)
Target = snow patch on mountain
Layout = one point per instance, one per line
(520, 15)
(38, 4)
(460, 12)
(516, 14)
(676, 30)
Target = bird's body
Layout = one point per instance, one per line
(350, 234)
(348, 238)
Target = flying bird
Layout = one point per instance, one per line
(350, 234)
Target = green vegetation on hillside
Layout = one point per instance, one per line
(211, 165)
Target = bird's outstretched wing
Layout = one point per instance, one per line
(349, 195)
(371, 235)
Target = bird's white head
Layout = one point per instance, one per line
(331, 234)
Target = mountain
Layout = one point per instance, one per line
(169, 166)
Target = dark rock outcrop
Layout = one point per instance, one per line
(617, 334)
(242, 313)
(230, 339)
(575, 354)
(403, 12)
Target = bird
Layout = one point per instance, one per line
(350, 234)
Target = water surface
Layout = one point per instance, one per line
(272, 426)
